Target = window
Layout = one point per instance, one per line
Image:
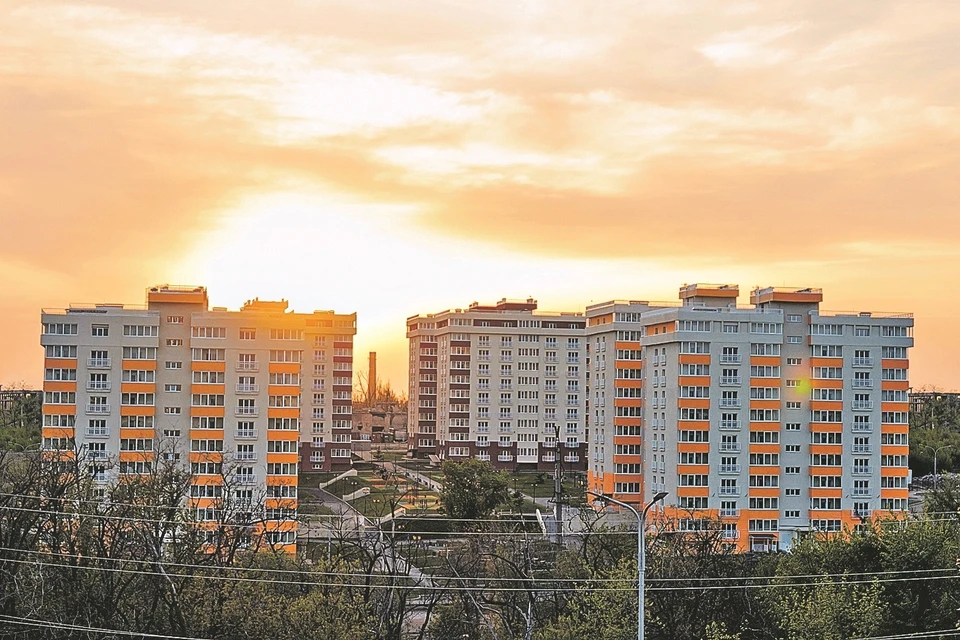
(60, 329)
(861, 331)
(827, 351)
(170, 365)
(172, 388)
(174, 319)
(794, 361)
(209, 332)
(208, 355)
(100, 330)
(248, 334)
(693, 325)
(791, 426)
(774, 328)
(286, 334)
(826, 329)
(795, 339)
(140, 330)
(794, 317)
(139, 353)
(171, 411)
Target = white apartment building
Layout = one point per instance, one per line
(504, 383)
(252, 395)
(777, 418)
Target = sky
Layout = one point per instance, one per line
(394, 158)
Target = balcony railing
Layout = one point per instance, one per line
(245, 478)
(729, 468)
(98, 363)
(863, 384)
(729, 381)
(248, 388)
(247, 455)
(862, 471)
(98, 409)
(729, 513)
(730, 359)
(729, 491)
(863, 362)
(862, 427)
(731, 534)
(505, 457)
(862, 448)
(861, 492)
(571, 458)
(729, 425)
(730, 446)
(248, 366)
(247, 411)
(862, 405)
(246, 434)
(98, 386)
(729, 403)
(483, 443)
(97, 433)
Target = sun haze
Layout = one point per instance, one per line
(395, 158)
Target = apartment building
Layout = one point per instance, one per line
(776, 418)
(245, 396)
(504, 383)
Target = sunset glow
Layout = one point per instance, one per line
(396, 158)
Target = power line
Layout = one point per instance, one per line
(49, 624)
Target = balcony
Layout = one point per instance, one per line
(245, 478)
(506, 416)
(863, 384)
(505, 457)
(731, 534)
(863, 405)
(731, 359)
(318, 385)
(729, 491)
(98, 363)
(863, 362)
(863, 471)
(730, 381)
(247, 456)
(247, 411)
(862, 448)
(317, 457)
(729, 513)
(505, 429)
(483, 456)
(506, 358)
(248, 388)
(483, 386)
(862, 427)
(98, 409)
(97, 432)
(248, 366)
(729, 468)
(97, 455)
(571, 458)
(483, 358)
(861, 493)
(98, 386)
(729, 403)
(729, 425)
(246, 434)
(730, 447)
(483, 443)
(552, 358)
(506, 386)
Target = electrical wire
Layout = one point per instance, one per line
(64, 626)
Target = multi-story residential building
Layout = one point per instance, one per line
(777, 418)
(504, 383)
(245, 395)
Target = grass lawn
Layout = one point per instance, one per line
(315, 478)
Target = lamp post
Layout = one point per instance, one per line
(936, 452)
(641, 548)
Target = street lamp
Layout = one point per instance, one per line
(936, 452)
(641, 548)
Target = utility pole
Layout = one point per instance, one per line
(558, 486)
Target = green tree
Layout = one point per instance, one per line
(20, 420)
(473, 489)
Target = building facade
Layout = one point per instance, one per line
(775, 418)
(244, 397)
(504, 383)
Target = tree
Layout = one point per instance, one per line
(20, 419)
(473, 489)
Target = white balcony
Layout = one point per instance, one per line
(729, 447)
(248, 388)
(506, 416)
(861, 493)
(863, 471)
(97, 433)
(483, 443)
(729, 468)
(506, 386)
(729, 425)
(731, 359)
(863, 405)
(483, 456)
(505, 457)
(730, 381)
(571, 458)
(729, 513)
(862, 448)
(729, 491)
(729, 403)
(863, 362)
(247, 456)
(247, 411)
(248, 366)
(548, 457)
(863, 384)
(862, 427)
(98, 409)
(731, 534)
(98, 363)
(98, 386)
(245, 478)
(246, 434)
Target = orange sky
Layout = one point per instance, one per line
(401, 157)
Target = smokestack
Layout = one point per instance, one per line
(372, 377)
